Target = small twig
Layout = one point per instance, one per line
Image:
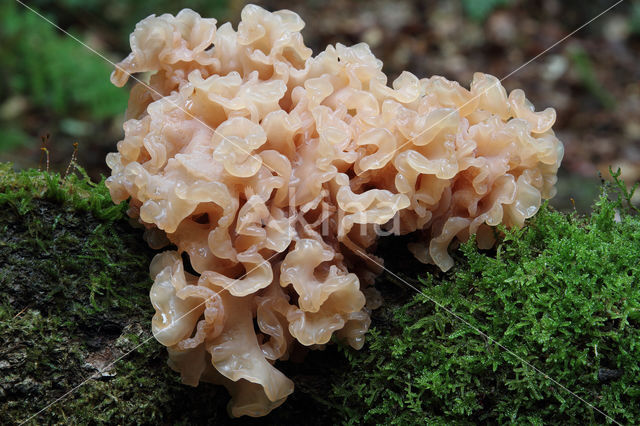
(20, 313)
(74, 157)
(45, 151)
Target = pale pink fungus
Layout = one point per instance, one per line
(271, 168)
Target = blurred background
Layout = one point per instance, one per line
(54, 89)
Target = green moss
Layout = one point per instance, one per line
(75, 191)
(562, 293)
(74, 275)
(74, 298)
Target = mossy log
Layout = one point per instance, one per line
(562, 294)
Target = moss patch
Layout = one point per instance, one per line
(74, 298)
(561, 293)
